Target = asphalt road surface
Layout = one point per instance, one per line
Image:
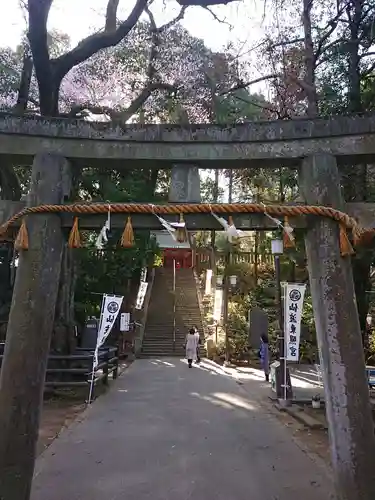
(167, 432)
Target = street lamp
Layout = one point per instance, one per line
(277, 249)
(369, 320)
(233, 280)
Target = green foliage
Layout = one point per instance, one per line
(109, 270)
(247, 296)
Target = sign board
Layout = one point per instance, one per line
(141, 294)
(90, 334)
(125, 322)
(293, 304)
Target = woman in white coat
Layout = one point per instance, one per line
(191, 346)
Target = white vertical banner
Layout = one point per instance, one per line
(218, 304)
(125, 322)
(144, 274)
(294, 296)
(111, 305)
(207, 290)
(141, 294)
(110, 308)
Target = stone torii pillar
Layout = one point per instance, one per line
(29, 331)
(348, 409)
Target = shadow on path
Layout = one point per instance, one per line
(167, 432)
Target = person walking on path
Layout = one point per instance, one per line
(264, 356)
(191, 346)
(198, 344)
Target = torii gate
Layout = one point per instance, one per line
(314, 146)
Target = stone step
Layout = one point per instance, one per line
(182, 327)
(186, 325)
(154, 341)
(162, 345)
(169, 350)
(161, 326)
(157, 340)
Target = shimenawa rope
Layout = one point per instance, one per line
(346, 222)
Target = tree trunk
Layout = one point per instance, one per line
(9, 184)
(216, 197)
(24, 88)
(361, 264)
(354, 177)
(6, 285)
(153, 181)
(230, 186)
(354, 14)
(63, 339)
(310, 89)
(29, 332)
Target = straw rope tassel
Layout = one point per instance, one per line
(127, 238)
(288, 241)
(22, 240)
(181, 231)
(345, 245)
(74, 240)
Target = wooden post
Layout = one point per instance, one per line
(29, 331)
(351, 427)
(226, 303)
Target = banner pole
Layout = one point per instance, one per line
(285, 344)
(285, 380)
(92, 378)
(174, 304)
(96, 352)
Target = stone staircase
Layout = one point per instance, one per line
(158, 338)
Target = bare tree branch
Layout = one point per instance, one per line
(284, 43)
(169, 24)
(121, 117)
(331, 27)
(222, 21)
(244, 85)
(325, 49)
(142, 98)
(368, 73)
(204, 3)
(155, 42)
(258, 105)
(366, 54)
(98, 41)
(111, 16)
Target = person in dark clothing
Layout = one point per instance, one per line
(264, 356)
(198, 344)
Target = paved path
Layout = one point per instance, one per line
(165, 432)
